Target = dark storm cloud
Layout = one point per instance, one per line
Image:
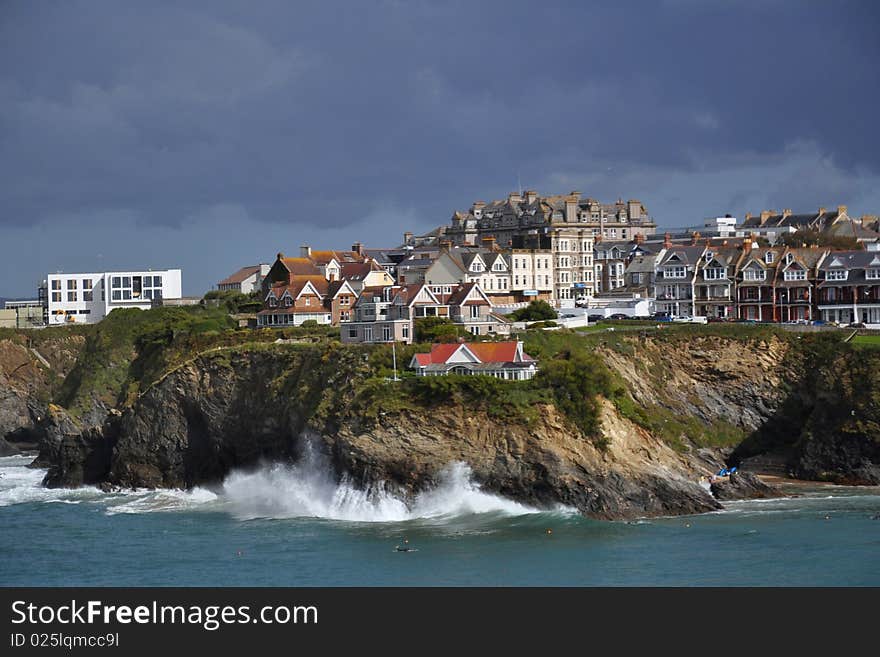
(322, 115)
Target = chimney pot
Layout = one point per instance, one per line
(841, 209)
(305, 251)
(358, 248)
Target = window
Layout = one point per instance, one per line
(475, 312)
(675, 272)
(386, 333)
(71, 296)
(308, 301)
(116, 281)
(368, 334)
(835, 275)
(56, 285)
(754, 275)
(344, 300)
(56, 296)
(795, 275)
(116, 295)
(872, 274)
(475, 330)
(769, 257)
(88, 295)
(405, 331)
(87, 283)
(352, 332)
(714, 273)
(637, 279)
(71, 284)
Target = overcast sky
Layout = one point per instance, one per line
(211, 135)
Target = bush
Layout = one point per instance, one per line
(437, 329)
(535, 311)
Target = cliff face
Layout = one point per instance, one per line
(27, 378)
(684, 399)
(216, 414)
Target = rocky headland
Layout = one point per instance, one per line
(618, 425)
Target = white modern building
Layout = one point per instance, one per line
(88, 298)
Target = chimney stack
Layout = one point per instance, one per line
(477, 209)
(667, 240)
(280, 256)
(489, 242)
(747, 244)
(531, 196)
(445, 245)
(695, 238)
(786, 212)
(407, 238)
(514, 197)
(766, 214)
(305, 251)
(822, 210)
(841, 209)
(639, 238)
(358, 248)
(571, 207)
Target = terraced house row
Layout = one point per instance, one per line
(767, 284)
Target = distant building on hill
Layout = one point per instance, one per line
(87, 298)
(246, 280)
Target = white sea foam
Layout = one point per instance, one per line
(307, 489)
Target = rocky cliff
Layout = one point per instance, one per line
(235, 410)
(668, 407)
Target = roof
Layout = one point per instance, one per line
(358, 271)
(241, 275)
(485, 352)
(342, 257)
(301, 267)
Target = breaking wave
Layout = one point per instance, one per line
(306, 489)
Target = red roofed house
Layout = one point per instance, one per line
(306, 298)
(503, 360)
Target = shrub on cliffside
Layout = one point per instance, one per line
(534, 312)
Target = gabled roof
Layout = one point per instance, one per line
(342, 257)
(241, 275)
(467, 293)
(358, 271)
(476, 352)
(408, 295)
(301, 267)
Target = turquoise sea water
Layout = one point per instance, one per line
(283, 526)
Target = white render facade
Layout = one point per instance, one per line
(86, 298)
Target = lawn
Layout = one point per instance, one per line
(872, 341)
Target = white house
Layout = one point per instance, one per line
(89, 297)
(245, 280)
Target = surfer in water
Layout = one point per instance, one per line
(405, 547)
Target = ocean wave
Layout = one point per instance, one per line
(308, 489)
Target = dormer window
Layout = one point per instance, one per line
(872, 274)
(675, 272)
(769, 257)
(714, 273)
(839, 275)
(795, 275)
(789, 258)
(272, 302)
(754, 275)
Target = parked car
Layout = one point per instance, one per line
(661, 317)
(618, 316)
(581, 300)
(595, 318)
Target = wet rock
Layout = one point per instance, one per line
(742, 486)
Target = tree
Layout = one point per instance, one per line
(534, 312)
